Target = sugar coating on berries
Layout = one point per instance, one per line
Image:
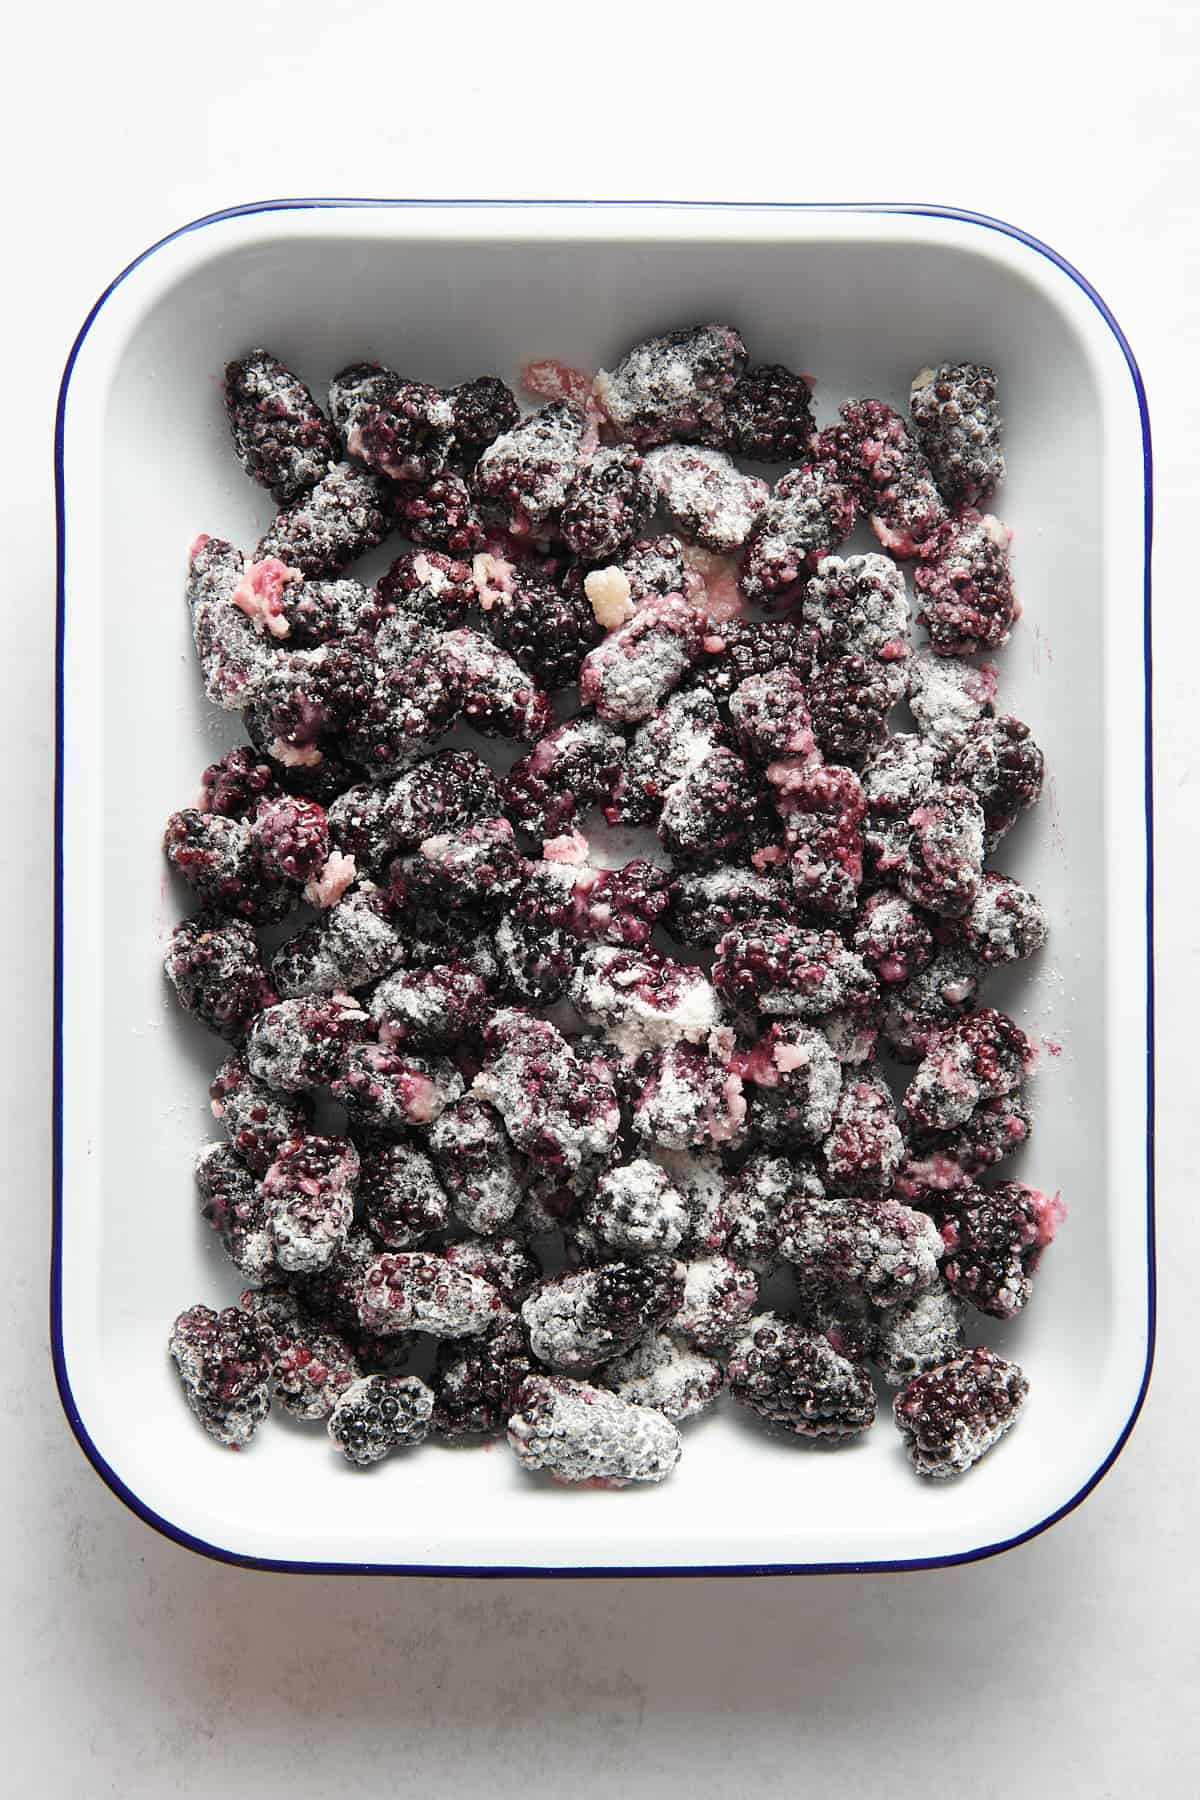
(429, 1009)
(429, 586)
(915, 1011)
(943, 861)
(849, 699)
(1004, 922)
(1004, 768)
(658, 566)
(667, 1374)
(354, 942)
(233, 1204)
(555, 1106)
(857, 606)
(995, 1238)
(480, 865)
(233, 656)
(788, 972)
(919, 1334)
(401, 1198)
(574, 767)
(309, 1194)
(402, 429)
(906, 772)
(705, 904)
(437, 794)
(256, 1119)
(311, 1368)
(864, 1146)
(578, 1321)
(768, 415)
(755, 1196)
(810, 513)
(608, 504)
(719, 1296)
(476, 1383)
(637, 1207)
(947, 698)
(298, 1045)
(796, 1380)
(823, 809)
(711, 808)
(218, 859)
(223, 1364)
(627, 676)
(439, 515)
(880, 458)
(965, 594)
(941, 1162)
(379, 1414)
(392, 1088)
(546, 626)
(499, 698)
(280, 435)
(796, 1083)
(770, 715)
(216, 970)
(956, 420)
(642, 1000)
(952, 1415)
(525, 474)
(416, 1290)
(690, 1098)
(504, 1262)
(982, 1056)
(893, 937)
(481, 1171)
(322, 532)
(577, 1432)
(673, 386)
(705, 495)
(736, 650)
(888, 1250)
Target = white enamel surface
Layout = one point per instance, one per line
(861, 302)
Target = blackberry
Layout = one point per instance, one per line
(331, 1296)
(995, 1238)
(953, 1415)
(857, 606)
(710, 809)
(346, 514)
(810, 513)
(401, 429)
(309, 1193)
(291, 838)
(635, 668)
(280, 435)
(298, 1045)
(908, 771)
(478, 866)
(943, 860)
(547, 629)
(311, 1366)
(577, 1432)
(795, 1380)
(413, 1290)
(483, 409)
(217, 857)
(642, 1000)
(523, 477)
(1003, 924)
(435, 937)
(982, 1056)
(322, 612)
(577, 1321)
(863, 1149)
(499, 698)
(655, 567)
(232, 1203)
(849, 701)
(234, 786)
(256, 1119)
(306, 699)
(620, 906)
(919, 1334)
(666, 1374)
(636, 1207)
(738, 649)
(233, 656)
(674, 386)
(391, 1089)
(401, 1198)
(965, 594)
(718, 1298)
(1004, 768)
(946, 698)
(428, 586)
(753, 1202)
(609, 503)
(429, 1009)
(684, 732)
(223, 1363)
(536, 961)
(823, 809)
(480, 1171)
(352, 943)
(439, 515)
(796, 1080)
(883, 1248)
(917, 1010)
(504, 1262)
(705, 904)
(768, 415)
(572, 768)
(939, 1162)
(893, 938)
(880, 459)
(476, 1384)
(705, 495)
(379, 1414)
(957, 423)
(415, 696)
(556, 1107)
(771, 717)
(688, 1099)
(788, 972)
(215, 968)
(437, 794)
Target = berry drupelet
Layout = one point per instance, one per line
(401, 429)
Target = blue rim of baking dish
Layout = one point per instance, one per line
(287, 1566)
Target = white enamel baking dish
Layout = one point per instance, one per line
(861, 297)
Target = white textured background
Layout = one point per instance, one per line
(127, 1666)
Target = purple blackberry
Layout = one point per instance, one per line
(417, 693)
(437, 794)
(946, 698)
(1004, 768)
(234, 786)
(401, 429)
(577, 1432)
(580, 1320)
(706, 904)
(795, 1380)
(306, 698)
(957, 423)
(919, 1334)
(941, 1162)
(536, 960)
(705, 495)
(217, 858)
(908, 771)
(1003, 924)
(504, 1262)
(674, 386)
(477, 1165)
(642, 1000)
(953, 1415)
(545, 628)
(710, 809)
(282, 438)
(331, 1296)
(572, 768)
(610, 501)
(823, 809)
(429, 1009)
(476, 1384)
(620, 906)
(412, 1290)
(753, 1201)
(215, 968)
(636, 1207)
(309, 1193)
(863, 1149)
(656, 567)
(434, 937)
(982, 1056)
(683, 734)
(233, 656)
(943, 860)
(483, 409)
(965, 594)
(771, 717)
(556, 1108)
(232, 1202)
(393, 1088)
(634, 670)
(439, 515)
(256, 1119)
(499, 698)
(666, 1374)
(788, 972)
(354, 942)
(298, 1045)
(893, 938)
(887, 1250)
(379, 1414)
(880, 459)
(689, 1099)
(995, 1238)
(718, 1299)
(796, 1080)
(523, 477)
(322, 612)
(223, 1363)
(810, 513)
(916, 1011)
(425, 585)
(857, 606)
(849, 701)
(311, 1366)
(738, 649)
(322, 532)
(400, 1194)
(291, 838)
(768, 415)
(478, 866)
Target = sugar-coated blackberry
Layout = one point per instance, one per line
(574, 767)
(505, 1263)
(995, 1238)
(352, 943)
(942, 863)
(416, 693)
(435, 936)
(915, 1011)
(620, 906)
(981, 1056)
(849, 700)
(401, 1197)
(795, 1380)
(321, 612)
(874, 1243)
(905, 772)
(282, 438)
(823, 809)
(415, 1290)
(857, 606)
(965, 594)
(215, 968)
(705, 904)
(957, 423)
(753, 1200)
(673, 386)
(233, 656)
(681, 735)
(483, 409)
(1003, 924)
(811, 512)
(689, 1099)
(705, 495)
(609, 503)
(429, 1009)
(478, 866)
(439, 515)
(232, 1203)
(481, 1172)
(392, 1088)
(322, 532)
(795, 1081)
(712, 807)
(666, 1374)
(718, 1298)
(256, 1119)
(768, 415)
(431, 586)
(291, 838)
(656, 567)
(863, 1149)
(379, 1414)
(577, 1321)
(919, 1334)
(738, 649)
(634, 669)
(941, 1162)
(306, 698)
(235, 785)
(399, 428)
(636, 1207)
(311, 1365)
(499, 698)
(331, 1294)
(1004, 768)
(786, 971)
(953, 1415)
(577, 1432)
(217, 857)
(298, 1045)
(546, 628)
(309, 1192)
(223, 1363)
(476, 1383)
(770, 714)
(893, 937)
(536, 960)
(879, 457)
(946, 698)
(437, 794)
(524, 476)
(557, 1108)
